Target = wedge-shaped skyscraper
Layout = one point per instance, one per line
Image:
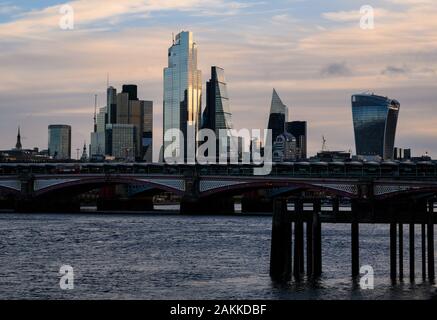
(278, 116)
(217, 114)
(375, 119)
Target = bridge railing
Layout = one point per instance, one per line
(296, 169)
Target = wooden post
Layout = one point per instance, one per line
(423, 229)
(280, 256)
(317, 245)
(298, 240)
(310, 252)
(393, 251)
(431, 268)
(355, 249)
(355, 230)
(412, 253)
(401, 251)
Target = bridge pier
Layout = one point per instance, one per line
(280, 254)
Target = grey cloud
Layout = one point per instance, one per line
(336, 69)
(393, 70)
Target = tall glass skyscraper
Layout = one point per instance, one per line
(278, 116)
(60, 141)
(111, 104)
(182, 86)
(375, 120)
(217, 114)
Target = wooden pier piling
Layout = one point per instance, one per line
(355, 249)
(423, 232)
(307, 252)
(430, 233)
(412, 253)
(393, 270)
(299, 262)
(310, 251)
(280, 258)
(401, 251)
(317, 245)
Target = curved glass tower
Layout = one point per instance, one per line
(182, 85)
(375, 120)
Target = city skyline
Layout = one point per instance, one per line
(316, 60)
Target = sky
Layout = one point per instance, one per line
(312, 51)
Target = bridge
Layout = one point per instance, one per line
(395, 193)
(350, 179)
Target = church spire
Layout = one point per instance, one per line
(18, 145)
(84, 157)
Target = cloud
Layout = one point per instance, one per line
(336, 69)
(91, 12)
(393, 70)
(7, 9)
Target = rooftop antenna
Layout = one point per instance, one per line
(172, 35)
(95, 113)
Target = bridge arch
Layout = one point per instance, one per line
(210, 188)
(10, 187)
(44, 187)
(405, 191)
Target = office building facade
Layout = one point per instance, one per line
(298, 129)
(59, 145)
(147, 140)
(375, 121)
(121, 141)
(285, 148)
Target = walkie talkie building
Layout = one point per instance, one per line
(375, 119)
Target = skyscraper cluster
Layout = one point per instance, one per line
(183, 93)
(123, 129)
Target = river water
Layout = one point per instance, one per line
(127, 256)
